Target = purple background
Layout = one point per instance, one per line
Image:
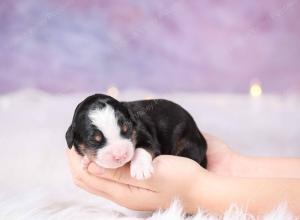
(164, 46)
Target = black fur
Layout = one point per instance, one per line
(159, 126)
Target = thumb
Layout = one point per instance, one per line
(121, 175)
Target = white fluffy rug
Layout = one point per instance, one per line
(35, 182)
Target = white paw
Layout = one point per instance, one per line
(141, 170)
(141, 165)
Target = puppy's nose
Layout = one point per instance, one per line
(118, 157)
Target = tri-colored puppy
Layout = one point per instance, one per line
(112, 133)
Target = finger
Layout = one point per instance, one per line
(121, 175)
(123, 194)
(206, 134)
(73, 156)
(75, 161)
(91, 183)
(134, 200)
(80, 174)
(89, 189)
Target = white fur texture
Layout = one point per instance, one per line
(141, 165)
(116, 146)
(70, 205)
(35, 181)
(105, 120)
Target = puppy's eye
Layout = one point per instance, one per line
(124, 128)
(98, 137)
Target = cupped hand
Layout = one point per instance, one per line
(174, 177)
(182, 178)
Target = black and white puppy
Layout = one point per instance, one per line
(112, 133)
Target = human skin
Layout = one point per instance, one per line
(224, 161)
(214, 189)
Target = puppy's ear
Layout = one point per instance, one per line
(70, 137)
(133, 116)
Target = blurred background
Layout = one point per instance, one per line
(162, 46)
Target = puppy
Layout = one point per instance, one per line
(112, 133)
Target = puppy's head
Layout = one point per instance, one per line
(102, 130)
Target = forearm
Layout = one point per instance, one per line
(258, 196)
(247, 166)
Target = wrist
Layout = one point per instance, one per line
(234, 164)
(198, 191)
(243, 166)
(207, 191)
(229, 164)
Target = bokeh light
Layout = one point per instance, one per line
(255, 90)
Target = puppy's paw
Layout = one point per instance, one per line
(141, 165)
(141, 170)
(85, 163)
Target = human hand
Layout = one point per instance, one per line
(220, 158)
(182, 178)
(174, 177)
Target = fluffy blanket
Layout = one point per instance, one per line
(34, 178)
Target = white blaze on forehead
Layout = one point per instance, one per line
(105, 120)
(117, 146)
